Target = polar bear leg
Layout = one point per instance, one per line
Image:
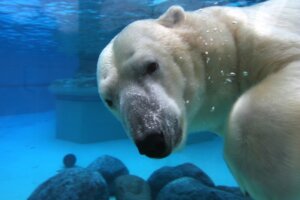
(262, 146)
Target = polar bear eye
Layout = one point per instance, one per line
(109, 102)
(152, 67)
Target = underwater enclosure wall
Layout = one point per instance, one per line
(42, 41)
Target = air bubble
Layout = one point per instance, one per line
(207, 60)
(228, 80)
(245, 73)
(231, 74)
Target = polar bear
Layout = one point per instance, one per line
(232, 71)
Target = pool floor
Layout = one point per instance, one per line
(30, 154)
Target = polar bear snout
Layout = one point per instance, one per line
(151, 121)
(153, 145)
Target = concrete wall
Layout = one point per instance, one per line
(26, 75)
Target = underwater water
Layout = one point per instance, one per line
(49, 105)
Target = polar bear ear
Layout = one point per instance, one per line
(173, 16)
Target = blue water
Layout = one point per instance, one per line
(42, 41)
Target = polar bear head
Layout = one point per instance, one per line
(148, 79)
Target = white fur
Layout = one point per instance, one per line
(234, 71)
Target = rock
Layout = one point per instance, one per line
(72, 184)
(191, 170)
(233, 190)
(110, 168)
(189, 188)
(69, 160)
(130, 187)
(164, 175)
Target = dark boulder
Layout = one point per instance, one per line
(110, 168)
(69, 160)
(130, 187)
(189, 188)
(72, 184)
(165, 175)
(234, 190)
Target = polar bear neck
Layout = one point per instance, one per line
(235, 55)
(262, 43)
(213, 52)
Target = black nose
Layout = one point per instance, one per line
(153, 145)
